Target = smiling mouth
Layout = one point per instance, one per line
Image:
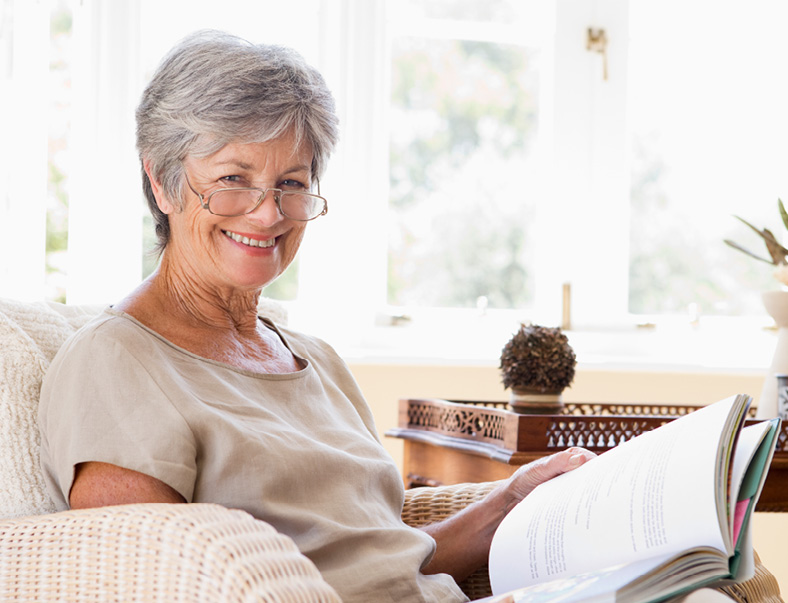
(249, 242)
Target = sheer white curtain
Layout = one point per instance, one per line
(105, 220)
(24, 43)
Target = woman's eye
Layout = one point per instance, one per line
(291, 185)
(234, 180)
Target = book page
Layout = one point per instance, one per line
(650, 496)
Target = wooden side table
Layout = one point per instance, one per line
(449, 442)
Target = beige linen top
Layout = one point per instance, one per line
(297, 450)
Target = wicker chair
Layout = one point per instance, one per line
(155, 552)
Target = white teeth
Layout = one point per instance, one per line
(250, 242)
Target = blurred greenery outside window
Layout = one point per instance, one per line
(463, 122)
(463, 117)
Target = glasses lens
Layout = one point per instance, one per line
(301, 206)
(233, 203)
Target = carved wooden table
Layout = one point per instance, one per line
(449, 442)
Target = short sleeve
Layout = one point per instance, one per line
(99, 402)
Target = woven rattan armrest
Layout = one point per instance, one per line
(153, 553)
(428, 505)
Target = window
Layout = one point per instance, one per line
(484, 160)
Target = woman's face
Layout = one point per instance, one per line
(213, 246)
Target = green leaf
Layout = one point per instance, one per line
(777, 251)
(746, 251)
(760, 232)
(783, 213)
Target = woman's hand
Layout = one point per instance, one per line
(463, 540)
(529, 476)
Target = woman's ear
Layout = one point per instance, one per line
(165, 205)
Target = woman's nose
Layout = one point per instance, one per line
(268, 211)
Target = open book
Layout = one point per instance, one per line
(662, 514)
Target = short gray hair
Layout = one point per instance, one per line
(214, 88)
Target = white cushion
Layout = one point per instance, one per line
(30, 336)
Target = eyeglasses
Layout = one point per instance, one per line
(295, 205)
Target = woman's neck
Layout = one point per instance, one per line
(192, 302)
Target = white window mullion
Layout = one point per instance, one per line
(23, 159)
(603, 282)
(584, 219)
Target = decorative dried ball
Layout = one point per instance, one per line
(539, 359)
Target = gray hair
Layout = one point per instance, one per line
(214, 88)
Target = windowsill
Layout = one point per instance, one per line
(687, 348)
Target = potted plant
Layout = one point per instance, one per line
(537, 364)
(776, 304)
(778, 255)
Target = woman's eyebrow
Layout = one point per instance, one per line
(246, 166)
(236, 163)
(298, 168)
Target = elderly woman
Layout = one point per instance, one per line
(182, 393)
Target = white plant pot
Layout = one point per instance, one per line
(776, 304)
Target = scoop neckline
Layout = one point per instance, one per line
(111, 311)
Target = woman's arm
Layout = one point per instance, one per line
(463, 540)
(103, 484)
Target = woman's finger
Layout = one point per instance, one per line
(531, 475)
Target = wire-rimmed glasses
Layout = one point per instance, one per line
(230, 202)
